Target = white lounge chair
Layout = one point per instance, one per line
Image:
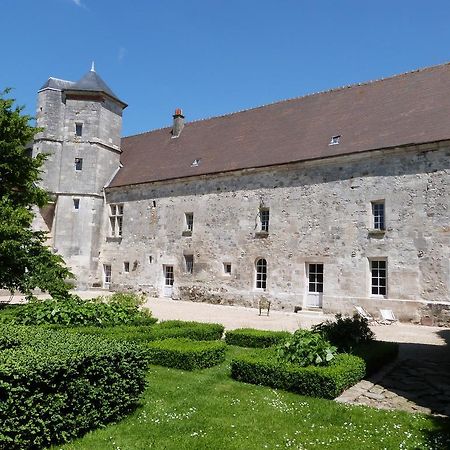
(365, 315)
(387, 317)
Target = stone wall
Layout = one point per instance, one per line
(320, 211)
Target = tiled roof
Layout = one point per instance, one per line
(411, 108)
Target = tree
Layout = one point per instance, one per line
(26, 263)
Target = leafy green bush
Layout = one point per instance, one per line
(56, 385)
(263, 367)
(186, 354)
(115, 310)
(249, 337)
(345, 332)
(306, 348)
(376, 354)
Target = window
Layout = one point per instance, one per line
(261, 274)
(227, 268)
(168, 275)
(78, 164)
(335, 140)
(315, 278)
(116, 219)
(106, 275)
(378, 215)
(76, 204)
(189, 263)
(195, 163)
(378, 270)
(78, 129)
(150, 259)
(264, 217)
(189, 221)
(126, 267)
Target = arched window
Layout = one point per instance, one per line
(261, 274)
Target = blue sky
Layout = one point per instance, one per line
(212, 57)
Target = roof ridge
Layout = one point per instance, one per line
(326, 91)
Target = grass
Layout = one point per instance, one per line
(206, 409)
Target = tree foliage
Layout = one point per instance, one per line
(26, 263)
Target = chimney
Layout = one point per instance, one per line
(178, 123)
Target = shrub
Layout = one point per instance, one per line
(186, 354)
(249, 337)
(376, 354)
(55, 386)
(118, 309)
(263, 367)
(345, 332)
(306, 348)
(164, 330)
(196, 331)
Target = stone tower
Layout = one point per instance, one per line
(81, 124)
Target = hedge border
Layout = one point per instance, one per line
(262, 367)
(186, 354)
(251, 337)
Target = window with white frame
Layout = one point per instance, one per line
(378, 269)
(315, 277)
(78, 164)
(261, 274)
(116, 219)
(378, 217)
(76, 204)
(264, 215)
(189, 217)
(189, 263)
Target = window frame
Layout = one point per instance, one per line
(78, 129)
(261, 274)
(189, 221)
(264, 219)
(378, 217)
(116, 220)
(189, 264)
(78, 164)
(374, 273)
(315, 271)
(107, 275)
(76, 204)
(227, 265)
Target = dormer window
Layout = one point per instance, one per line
(195, 163)
(78, 129)
(335, 140)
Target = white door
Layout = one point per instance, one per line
(314, 295)
(168, 281)
(106, 276)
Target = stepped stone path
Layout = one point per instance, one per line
(418, 381)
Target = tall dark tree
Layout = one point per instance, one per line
(26, 263)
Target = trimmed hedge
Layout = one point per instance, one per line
(186, 354)
(262, 367)
(165, 330)
(55, 386)
(376, 354)
(250, 337)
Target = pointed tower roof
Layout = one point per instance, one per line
(93, 82)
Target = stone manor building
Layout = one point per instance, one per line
(331, 200)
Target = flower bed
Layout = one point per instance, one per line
(186, 354)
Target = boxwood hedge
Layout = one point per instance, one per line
(262, 367)
(56, 385)
(165, 330)
(186, 354)
(250, 337)
(376, 354)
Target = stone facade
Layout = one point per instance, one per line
(320, 215)
(320, 212)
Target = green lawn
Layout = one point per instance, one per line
(208, 410)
